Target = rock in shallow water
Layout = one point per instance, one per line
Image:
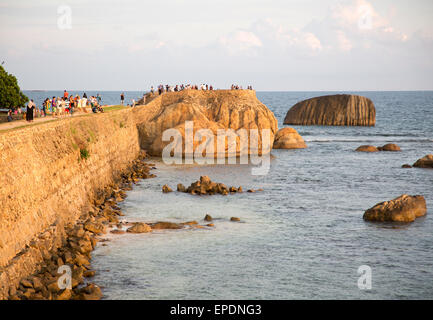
(425, 162)
(288, 138)
(367, 149)
(139, 227)
(389, 147)
(402, 209)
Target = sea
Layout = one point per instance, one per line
(303, 236)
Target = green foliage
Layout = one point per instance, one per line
(84, 154)
(10, 93)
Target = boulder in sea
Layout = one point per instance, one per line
(181, 187)
(389, 147)
(406, 166)
(288, 138)
(139, 227)
(235, 111)
(402, 209)
(166, 189)
(425, 162)
(235, 219)
(208, 218)
(333, 110)
(367, 148)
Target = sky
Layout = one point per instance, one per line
(273, 45)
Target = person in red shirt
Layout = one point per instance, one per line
(65, 94)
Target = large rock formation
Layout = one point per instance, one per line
(425, 162)
(402, 209)
(334, 110)
(213, 110)
(288, 138)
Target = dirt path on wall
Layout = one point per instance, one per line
(23, 123)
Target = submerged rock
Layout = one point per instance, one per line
(367, 148)
(165, 225)
(425, 162)
(208, 218)
(402, 209)
(406, 166)
(288, 138)
(139, 227)
(333, 110)
(389, 147)
(235, 219)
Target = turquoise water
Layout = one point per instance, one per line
(303, 237)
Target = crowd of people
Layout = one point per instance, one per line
(63, 106)
(68, 104)
(167, 88)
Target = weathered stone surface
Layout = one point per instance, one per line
(425, 162)
(212, 110)
(367, 149)
(288, 138)
(96, 228)
(139, 227)
(333, 110)
(389, 147)
(402, 209)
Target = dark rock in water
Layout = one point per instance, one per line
(425, 162)
(208, 218)
(406, 166)
(333, 110)
(139, 227)
(206, 187)
(166, 189)
(165, 225)
(389, 147)
(117, 231)
(367, 149)
(402, 209)
(181, 188)
(235, 219)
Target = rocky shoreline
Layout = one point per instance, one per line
(78, 243)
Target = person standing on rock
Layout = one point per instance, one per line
(122, 98)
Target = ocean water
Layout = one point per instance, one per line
(303, 237)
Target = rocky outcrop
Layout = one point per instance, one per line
(212, 110)
(425, 162)
(402, 209)
(333, 110)
(288, 138)
(367, 148)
